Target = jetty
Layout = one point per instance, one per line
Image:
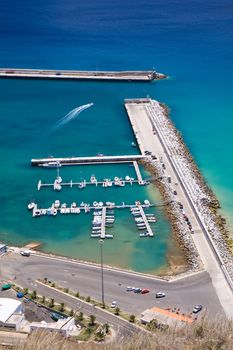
(103, 223)
(144, 217)
(138, 173)
(155, 133)
(131, 75)
(86, 160)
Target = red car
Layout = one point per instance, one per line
(145, 291)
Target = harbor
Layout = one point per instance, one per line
(140, 75)
(58, 183)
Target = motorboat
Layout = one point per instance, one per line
(63, 205)
(108, 236)
(93, 179)
(54, 164)
(59, 179)
(56, 203)
(95, 235)
(144, 234)
(127, 178)
(146, 202)
(73, 205)
(133, 144)
(54, 212)
(37, 212)
(31, 205)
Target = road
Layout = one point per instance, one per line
(86, 279)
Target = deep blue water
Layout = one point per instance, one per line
(191, 41)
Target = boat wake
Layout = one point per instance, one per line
(70, 116)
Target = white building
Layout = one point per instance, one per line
(11, 313)
(3, 248)
(66, 327)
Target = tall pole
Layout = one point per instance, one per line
(102, 270)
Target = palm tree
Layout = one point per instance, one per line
(92, 319)
(117, 311)
(51, 303)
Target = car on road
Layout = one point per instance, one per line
(197, 309)
(145, 291)
(25, 252)
(137, 290)
(114, 304)
(6, 286)
(160, 295)
(130, 289)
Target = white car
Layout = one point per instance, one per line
(114, 304)
(160, 295)
(25, 252)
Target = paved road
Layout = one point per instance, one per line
(86, 279)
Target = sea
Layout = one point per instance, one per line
(189, 40)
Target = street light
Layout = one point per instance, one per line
(102, 270)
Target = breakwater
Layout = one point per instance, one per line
(85, 160)
(191, 207)
(147, 75)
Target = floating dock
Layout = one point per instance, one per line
(138, 173)
(103, 222)
(143, 215)
(87, 160)
(134, 75)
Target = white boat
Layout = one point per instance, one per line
(73, 205)
(146, 202)
(93, 179)
(139, 220)
(127, 178)
(97, 213)
(63, 205)
(56, 186)
(56, 203)
(37, 212)
(53, 164)
(141, 227)
(133, 144)
(101, 204)
(95, 204)
(95, 235)
(54, 212)
(108, 236)
(146, 234)
(31, 205)
(82, 185)
(59, 179)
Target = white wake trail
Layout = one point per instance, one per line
(71, 115)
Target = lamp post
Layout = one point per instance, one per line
(102, 270)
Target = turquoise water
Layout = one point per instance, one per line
(190, 41)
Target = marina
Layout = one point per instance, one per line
(139, 75)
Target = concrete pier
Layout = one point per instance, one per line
(138, 173)
(87, 160)
(143, 215)
(140, 75)
(152, 135)
(103, 222)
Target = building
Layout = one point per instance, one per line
(11, 313)
(165, 317)
(65, 327)
(3, 248)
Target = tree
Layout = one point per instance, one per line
(152, 325)
(62, 307)
(51, 302)
(71, 312)
(77, 294)
(66, 290)
(100, 335)
(117, 311)
(45, 280)
(80, 316)
(106, 326)
(33, 295)
(92, 319)
(25, 291)
(132, 318)
(43, 300)
(88, 299)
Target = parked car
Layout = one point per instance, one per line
(6, 286)
(137, 290)
(25, 252)
(56, 316)
(130, 289)
(20, 295)
(160, 295)
(145, 291)
(114, 304)
(197, 309)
